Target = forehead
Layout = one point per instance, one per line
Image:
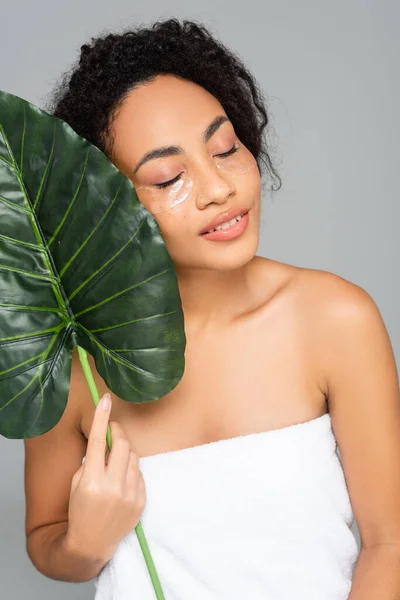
(165, 110)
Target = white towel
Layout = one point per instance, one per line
(264, 516)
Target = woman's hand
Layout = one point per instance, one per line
(106, 498)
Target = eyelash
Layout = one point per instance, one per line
(167, 183)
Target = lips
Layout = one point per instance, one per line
(223, 218)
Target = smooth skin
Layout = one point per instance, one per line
(115, 487)
(268, 345)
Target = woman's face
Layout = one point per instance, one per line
(169, 111)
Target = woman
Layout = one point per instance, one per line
(233, 474)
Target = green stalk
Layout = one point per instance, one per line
(139, 530)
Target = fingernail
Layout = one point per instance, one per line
(106, 401)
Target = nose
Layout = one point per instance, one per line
(212, 185)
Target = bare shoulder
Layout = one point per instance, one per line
(350, 336)
(316, 288)
(356, 363)
(326, 294)
(337, 304)
(337, 311)
(332, 311)
(331, 292)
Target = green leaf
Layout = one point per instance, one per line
(82, 262)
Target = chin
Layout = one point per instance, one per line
(220, 256)
(231, 258)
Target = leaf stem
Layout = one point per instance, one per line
(139, 530)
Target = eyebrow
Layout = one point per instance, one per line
(174, 150)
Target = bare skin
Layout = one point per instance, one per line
(236, 378)
(268, 345)
(242, 317)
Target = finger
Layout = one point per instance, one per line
(133, 473)
(118, 459)
(141, 484)
(96, 446)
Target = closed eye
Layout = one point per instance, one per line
(231, 151)
(167, 183)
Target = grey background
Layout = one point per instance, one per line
(331, 73)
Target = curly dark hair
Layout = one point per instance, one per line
(89, 94)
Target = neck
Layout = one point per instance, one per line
(212, 299)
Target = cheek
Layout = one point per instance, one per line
(252, 183)
(173, 225)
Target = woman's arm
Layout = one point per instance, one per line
(364, 402)
(51, 460)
